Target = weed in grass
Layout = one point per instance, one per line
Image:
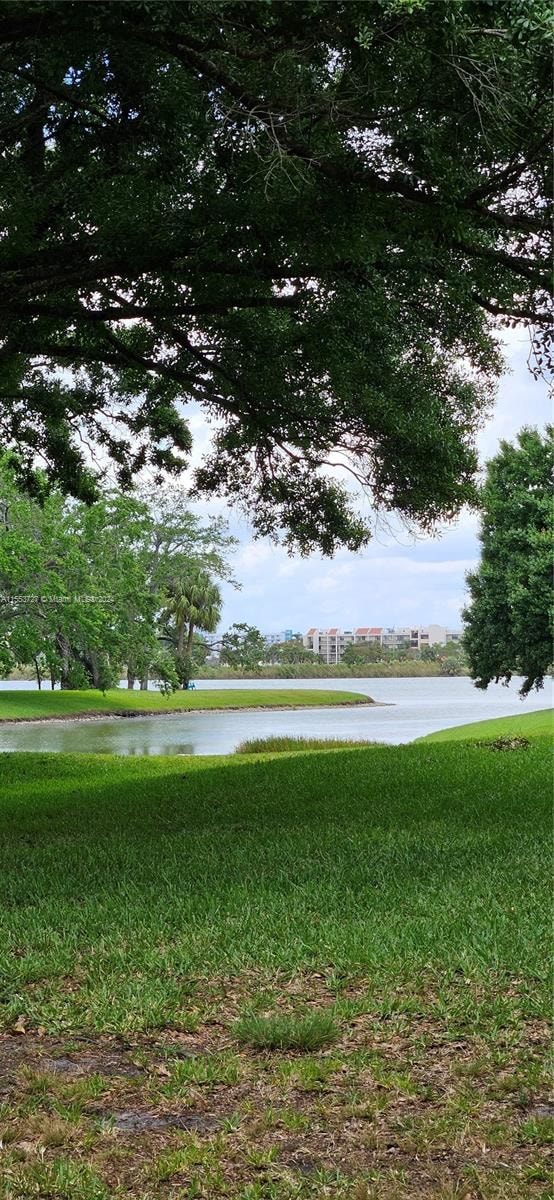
(192, 1153)
(260, 1156)
(538, 1131)
(496, 1134)
(284, 1118)
(43, 1091)
(222, 1067)
(504, 1183)
(466, 1102)
(284, 1031)
(424, 1135)
(505, 743)
(308, 1074)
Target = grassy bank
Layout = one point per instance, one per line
(525, 725)
(276, 978)
(33, 705)
(498, 730)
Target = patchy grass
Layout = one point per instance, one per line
(286, 745)
(402, 1106)
(285, 1031)
(29, 705)
(525, 725)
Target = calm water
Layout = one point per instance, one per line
(417, 707)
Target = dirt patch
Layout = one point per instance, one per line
(146, 1122)
(402, 1106)
(49, 1056)
(505, 743)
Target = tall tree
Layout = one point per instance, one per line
(509, 620)
(194, 602)
(176, 545)
(303, 216)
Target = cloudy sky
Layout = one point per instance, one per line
(395, 580)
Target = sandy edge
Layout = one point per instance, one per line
(178, 712)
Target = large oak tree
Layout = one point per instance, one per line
(304, 216)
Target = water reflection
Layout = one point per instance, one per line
(417, 707)
(157, 748)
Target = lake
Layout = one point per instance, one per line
(414, 707)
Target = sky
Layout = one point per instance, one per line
(395, 580)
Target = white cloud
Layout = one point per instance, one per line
(397, 579)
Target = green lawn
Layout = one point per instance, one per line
(26, 705)
(333, 965)
(533, 724)
(130, 875)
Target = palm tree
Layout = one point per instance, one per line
(194, 602)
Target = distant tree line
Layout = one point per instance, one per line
(244, 647)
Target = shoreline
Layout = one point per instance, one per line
(156, 712)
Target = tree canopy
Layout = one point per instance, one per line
(243, 646)
(306, 217)
(509, 620)
(86, 589)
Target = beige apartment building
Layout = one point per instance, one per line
(331, 643)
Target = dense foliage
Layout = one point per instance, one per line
(509, 621)
(87, 589)
(243, 646)
(303, 216)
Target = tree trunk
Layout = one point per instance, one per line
(38, 675)
(64, 649)
(144, 682)
(131, 678)
(90, 663)
(190, 637)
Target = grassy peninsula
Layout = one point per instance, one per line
(27, 705)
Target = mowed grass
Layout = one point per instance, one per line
(533, 724)
(122, 879)
(26, 705)
(326, 974)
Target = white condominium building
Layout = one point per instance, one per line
(331, 643)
